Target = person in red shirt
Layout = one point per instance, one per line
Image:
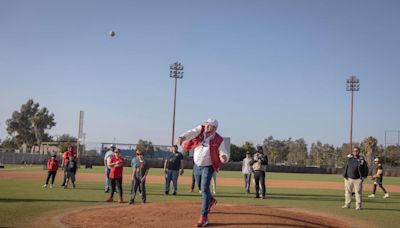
(70, 152)
(52, 167)
(116, 164)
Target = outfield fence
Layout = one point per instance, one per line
(89, 161)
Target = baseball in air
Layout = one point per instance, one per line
(111, 33)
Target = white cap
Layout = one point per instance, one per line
(212, 122)
(376, 159)
(112, 145)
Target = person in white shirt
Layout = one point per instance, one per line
(209, 153)
(247, 170)
(107, 169)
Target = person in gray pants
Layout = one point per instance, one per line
(139, 174)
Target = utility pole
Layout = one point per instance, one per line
(353, 84)
(176, 71)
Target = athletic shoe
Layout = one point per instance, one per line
(120, 200)
(345, 206)
(107, 191)
(44, 186)
(212, 204)
(372, 196)
(386, 196)
(358, 208)
(131, 201)
(262, 197)
(214, 192)
(73, 186)
(203, 221)
(166, 193)
(109, 199)
(257, 196)
(174, 193)
(51, 186)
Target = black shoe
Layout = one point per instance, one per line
(131, 201)
(106, 191)
(144, 201)
(257, 196)
(174, 193)
(166, 193)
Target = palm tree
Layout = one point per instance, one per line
(370, 146)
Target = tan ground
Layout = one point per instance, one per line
(179, 214)
(184, 180)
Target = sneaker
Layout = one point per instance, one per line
(73, 186)
(51, 186)
(386, 196)
(257, 196)
(143, 201)
(345, 206)
(262, 197)
(109, 199)
(174, 193)
(166, 193)
(358, 208)
(212, 204)
(120, 200)
(44, 186)
(372, 196)
(203, 221)
(214, 192)
(131, 201)
(106, 190)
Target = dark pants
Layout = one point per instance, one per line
(259, 177)
(51, 174)
(70, 176)
(136, 183)
(379, 182)
(194, 182)
(116, 183)
(65, 176)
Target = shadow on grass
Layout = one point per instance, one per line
(304, 223)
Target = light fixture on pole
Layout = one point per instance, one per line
(176, 71)
(353, 84)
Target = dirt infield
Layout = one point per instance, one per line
(185, 214)
(184, 180)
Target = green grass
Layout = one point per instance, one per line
(225, 174)
(23, 200)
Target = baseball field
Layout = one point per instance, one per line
(293, 200)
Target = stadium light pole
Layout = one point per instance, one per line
(176, 71)
(353, 84)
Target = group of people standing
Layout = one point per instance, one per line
(114, 165)
(256, 165)
(68, 165)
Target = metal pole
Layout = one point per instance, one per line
(351, 122)
(173, 116)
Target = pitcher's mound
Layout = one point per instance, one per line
(185, 214)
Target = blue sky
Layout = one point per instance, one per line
(260, 67)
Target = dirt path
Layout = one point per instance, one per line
(152, 179)
(185, 214)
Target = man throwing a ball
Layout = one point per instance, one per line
(209, 153)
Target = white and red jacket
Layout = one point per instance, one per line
(206, 149)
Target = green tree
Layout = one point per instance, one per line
(369, 146)
(277, 150)
(237, 153)
(146, 147)
(297, 152)
(29, 124)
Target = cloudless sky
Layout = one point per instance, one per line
(262, 68)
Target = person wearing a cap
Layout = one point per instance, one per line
(209, 153)
(354, 172)
(247, 170)
(52, 167)
(259, 166)
(107, 169)
(66, 155)
(377, 177)
(116, 164)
